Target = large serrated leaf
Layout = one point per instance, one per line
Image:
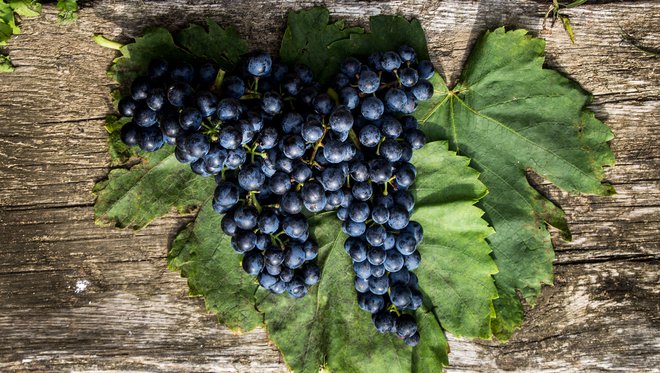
(510, 115)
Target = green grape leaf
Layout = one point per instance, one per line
(25, 8)
(203, 254)
(67, 11)
(307, 39)
(223, 46)
(326, 327)
(5, 64)
(510, 115)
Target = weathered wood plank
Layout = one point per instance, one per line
(81, 297)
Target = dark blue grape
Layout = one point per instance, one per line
(297, 288)
(294, 256)
(379, 285)
(375, 236)
(348, 97)
(390, 61)
(369, 136)
(312, 192)
(295, 226)
(182, 72)
(235, 158)
(271, 103)
(405, 175)
(190, 119)
(207, 103)
(292, 123)
(362, 191)
(259, 64)
(380, 214)
(412, 340)
(425, 69)
(370, 302)
(157, 68)
(405, 325)
(293, 146)
(130, 134)
(250, 177)
(369, 82)
(353, 229)
(322, 104)
(311, 250)
(274, 256)
(372, 108)
(268, 138)
(150, 139)
(178, 93)
(332, 179)
(228, 225)
(291, 202)
(423, 90)
(206, 74)
(312, 130)
(362, 269)
(361, 284)
(243, 241)
(127, 106)
(292, 85)
(384, 321)
(266, 280)
(413, 260)
(196, 144)
(253, 262)
(380, 170)
(390, 127)
(304, 73)
(140, 88)
(341, 119)
(406, 243)
(311, 274)
(230, 137)
(233, 86)
(229, 109)
(246, 217)
(408, 77)
(407, 53)
(351, 66)
(415, 138)
(395, 100)
(143, 116)
(156, 98)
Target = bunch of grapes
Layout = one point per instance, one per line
(282, 146)
(238, 132)
(383, 241)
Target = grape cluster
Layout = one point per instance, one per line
(241, 132)
(383, 241)
(281, 147)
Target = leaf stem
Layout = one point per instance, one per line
(106, 43)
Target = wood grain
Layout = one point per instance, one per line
(79, 297)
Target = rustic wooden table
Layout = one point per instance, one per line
(76, 296)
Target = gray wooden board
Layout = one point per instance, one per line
(75, 296)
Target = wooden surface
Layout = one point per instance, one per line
(75, 296)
